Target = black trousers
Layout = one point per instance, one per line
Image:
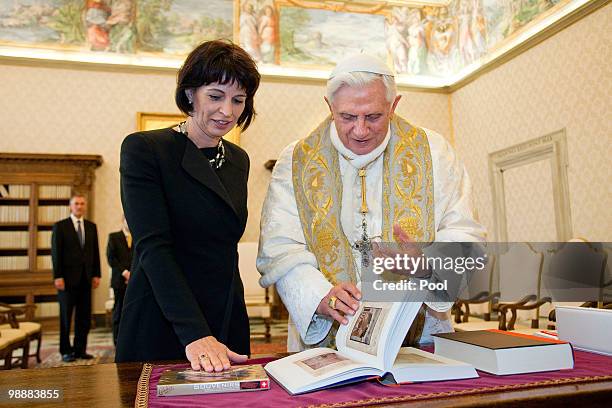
(77, 299)
(119, 296)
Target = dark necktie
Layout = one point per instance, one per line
(80, 234)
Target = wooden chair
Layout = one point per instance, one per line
(11, 340)
(520, 273)
(483, 288)
(589, 257)
(257, 299)
(32, 330)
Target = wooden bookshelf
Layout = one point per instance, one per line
(34, 194)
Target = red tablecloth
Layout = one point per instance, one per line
(588, 367)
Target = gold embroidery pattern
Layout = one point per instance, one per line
(407, 194)
(316, 177)
(408, 197)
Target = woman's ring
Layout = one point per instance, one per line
(204, 357)
(332, 302)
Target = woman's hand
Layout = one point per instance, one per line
(208, 354)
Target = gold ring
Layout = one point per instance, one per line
(204, 357)
(332, 302)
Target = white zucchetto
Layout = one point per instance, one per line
(361, 63)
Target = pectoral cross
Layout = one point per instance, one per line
(364, 245)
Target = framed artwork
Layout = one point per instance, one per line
(151, 121)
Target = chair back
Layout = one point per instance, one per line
(520, 272)
(576, 273)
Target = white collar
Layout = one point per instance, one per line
(75, 219)
(355, 160)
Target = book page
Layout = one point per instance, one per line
(365, 336)
(322, 364)
(314, 368)
(413, 358)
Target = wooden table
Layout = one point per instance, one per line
(114, 385)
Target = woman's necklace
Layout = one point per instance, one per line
(217, 161)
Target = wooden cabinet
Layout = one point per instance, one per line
(35, 190)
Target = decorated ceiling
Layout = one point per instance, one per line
(429, 43)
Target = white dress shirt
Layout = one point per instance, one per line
(76, 227)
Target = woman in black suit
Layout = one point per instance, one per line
(184, 194)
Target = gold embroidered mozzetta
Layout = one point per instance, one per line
(407, 194)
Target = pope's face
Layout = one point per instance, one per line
(361, 116)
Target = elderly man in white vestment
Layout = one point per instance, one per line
(364, 173)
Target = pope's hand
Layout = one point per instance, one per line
(208, 354)
(342, 299)
(405, 247)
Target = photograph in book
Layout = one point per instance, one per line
(232, 374)
(175, 382)
(365, 329)
(323, 363)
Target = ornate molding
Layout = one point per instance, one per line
(551, 147)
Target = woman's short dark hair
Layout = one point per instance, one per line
(222, 62)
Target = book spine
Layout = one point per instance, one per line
(211, 388)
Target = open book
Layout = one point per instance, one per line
(367, 346)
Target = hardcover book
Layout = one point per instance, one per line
(368, 346)
(502, 352)
(236, 379)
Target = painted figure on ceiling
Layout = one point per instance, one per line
(397, 44)
(441, 59)
(268, 29)
(249, 33)
(96, 14)
(416, 40)
(121, 23)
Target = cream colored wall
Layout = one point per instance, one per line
(74, 110)
(564, 82)
(63, 110)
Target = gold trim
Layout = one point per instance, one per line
(142, 393)
(151, 121)
(446, 394)
(340, 6)
(154, 120)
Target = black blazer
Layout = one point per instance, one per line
(69, 259)
(185, 227)
(119, 257)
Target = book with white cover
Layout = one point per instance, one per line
(368, 346)
(587, 328)
(502, 352)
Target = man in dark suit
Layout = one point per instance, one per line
(119, 255)
(76, 269)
